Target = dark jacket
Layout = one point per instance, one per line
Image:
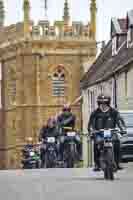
(110, 119)
(67, 120)
(47, 131)
(27, 148)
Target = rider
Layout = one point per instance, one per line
(50, 129)
(68, 119)
(106, 117)
(27, 148)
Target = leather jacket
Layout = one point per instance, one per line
(47, 131)
(27, 148)
(110, 119)
(68, 120)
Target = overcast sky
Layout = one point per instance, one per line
(79, 10)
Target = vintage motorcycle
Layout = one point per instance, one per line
(104, 140)
(50, 155)
(31, 160)
(70, 154)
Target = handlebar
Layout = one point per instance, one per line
(101, 130)
(67, 128)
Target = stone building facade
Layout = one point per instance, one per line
(41, 67)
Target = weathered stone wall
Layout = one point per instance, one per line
(12, 32)
(29, 101)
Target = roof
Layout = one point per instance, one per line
(95, 69)
(118, 26)
(123, 24)
(106, 64)
(130, 18)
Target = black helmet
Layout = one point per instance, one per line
(102, 99)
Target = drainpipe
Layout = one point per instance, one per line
(115, 92)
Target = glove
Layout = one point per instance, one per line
(123, 132)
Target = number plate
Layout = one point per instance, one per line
(107, 134)
(51, 140)
(108, 144)
(32, 153)
(71, 134)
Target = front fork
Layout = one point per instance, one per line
(107, 157)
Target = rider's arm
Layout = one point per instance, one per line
(91, 122)
(121, 124)
(71, 119)
(43, 133)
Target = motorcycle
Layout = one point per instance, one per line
(104, 140)
(50, 156)
(70, 154)
(31, 160)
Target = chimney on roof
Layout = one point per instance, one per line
(130, 29)
(118, 34)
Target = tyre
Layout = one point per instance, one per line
(70, 160)
(109, 165)
(105, 174)
(111, 174)
(50, 159)
(70, 163)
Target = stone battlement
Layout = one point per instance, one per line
(76, 31)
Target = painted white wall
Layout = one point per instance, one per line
(108, 88)
(0, 85)
(121, 91)
(130, 88)
(85, 110)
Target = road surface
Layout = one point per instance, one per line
(65, 184)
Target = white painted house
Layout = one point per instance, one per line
(111, 73)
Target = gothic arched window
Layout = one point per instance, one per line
(58, 83)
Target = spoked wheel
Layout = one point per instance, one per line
(50, 161)
(111, 173)
(108, 173)
(43, 163)
(70, 163)
(105, 174)
(109, 165)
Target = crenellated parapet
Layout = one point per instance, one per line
(44, 30)
(59, 29)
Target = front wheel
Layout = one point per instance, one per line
(109, 165)
(70, 163)
(70, 155)
(108, 173)
(50, 159)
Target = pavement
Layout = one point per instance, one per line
(65, 184)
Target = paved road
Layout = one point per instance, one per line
(65, 184)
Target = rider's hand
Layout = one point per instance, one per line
(91, 136)
(123, 132)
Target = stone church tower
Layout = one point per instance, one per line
(41, 67)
